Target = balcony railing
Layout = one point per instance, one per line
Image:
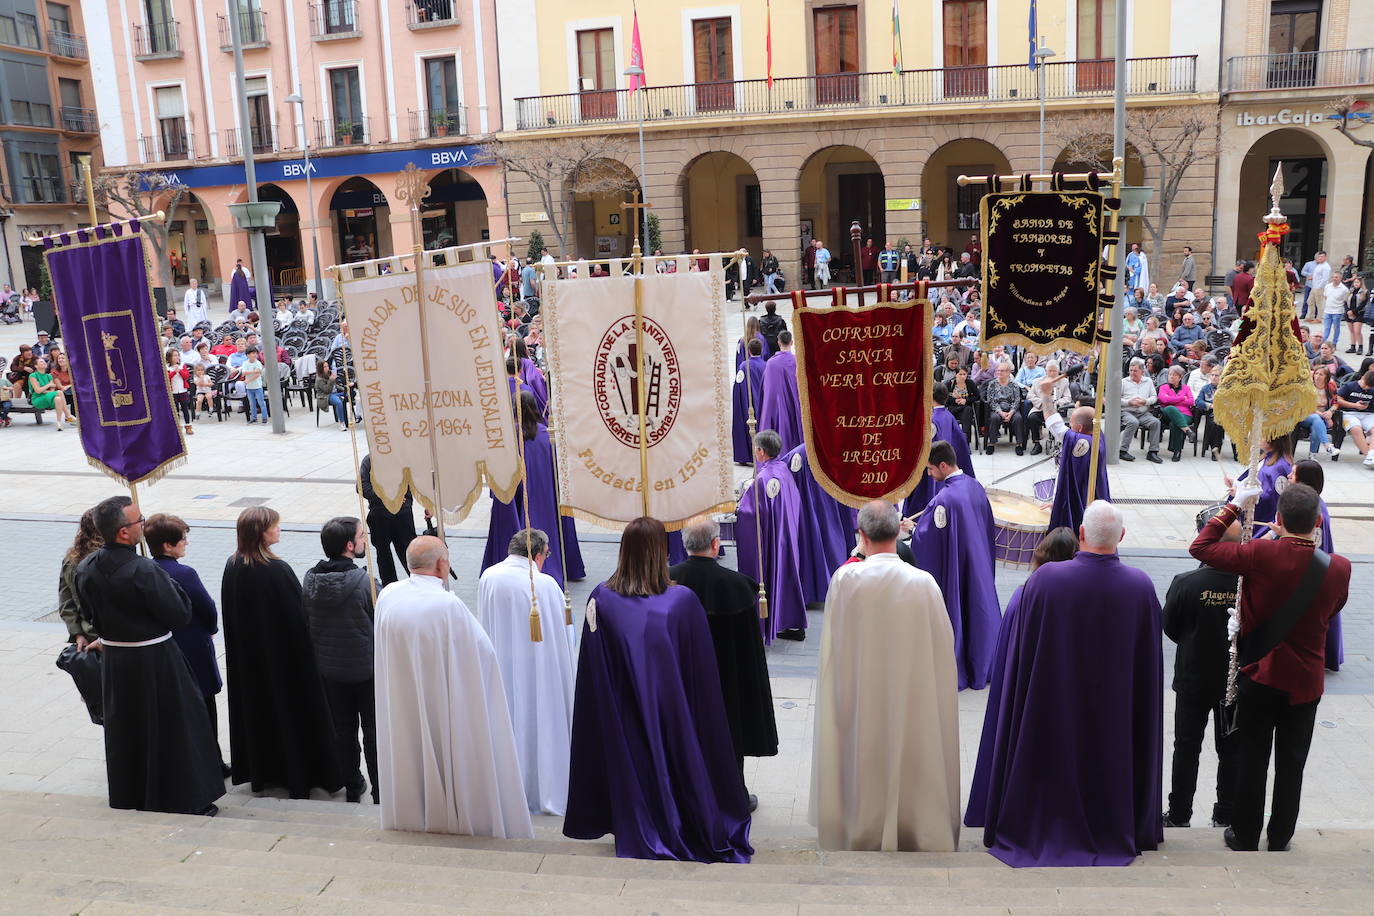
(252, 30)
(173, 147)
(850, 91)
(261, 135)
(337, 132)
(426, 14)
(427, 123)
(65, 44)
(333, 19)
(79, 120)
(1300, 70)
(157, 40)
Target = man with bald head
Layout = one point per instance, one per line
(1075, 440)
(1078, 750)
(445, 743)
(885, 766)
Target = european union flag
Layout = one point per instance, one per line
(1033, 32)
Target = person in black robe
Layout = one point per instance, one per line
(280, 728)
(730, 601)
(160, 753)
(388, 530)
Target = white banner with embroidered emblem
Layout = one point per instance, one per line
(468, 398)
(593, 348)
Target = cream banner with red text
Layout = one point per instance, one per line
(593, 350)
(468, 406)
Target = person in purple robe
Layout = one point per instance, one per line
(1078, 750)
(781, 402)
(652, 758)
(752, 332)
(1310, 472)
(953, 541)
(826, 537)
(1058, 545)
(241, 288)
(1276, 463)
(1075, 444)
(531, 374)
(508, 518)
(766, 528)
(747, 399)
(944, 428)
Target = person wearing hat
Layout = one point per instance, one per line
(44, 345)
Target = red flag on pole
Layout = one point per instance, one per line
(768, 41)
(640, 80)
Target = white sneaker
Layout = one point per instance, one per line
(1333, 452)
(1369, 458)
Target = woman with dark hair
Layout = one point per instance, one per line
(652, 759)
(1057, 545)
(46, 394)
(80, 626)
(166, 537)
(509, 517)
(751, 332)
(280, 730)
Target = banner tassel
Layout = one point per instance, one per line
(567, 609)
(536, 631)
(763, 599)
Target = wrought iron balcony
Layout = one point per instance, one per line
(79, 120)
(261, 135)
(1300, 70)
(438, 122)
(157, 40)
(431, 14)
(252, 30)
(65, 44)
(334, 19)
(171, 146)
(966, 86)
(330, 132)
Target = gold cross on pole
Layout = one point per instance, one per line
(637, 208)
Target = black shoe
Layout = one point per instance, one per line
(1178, 456)
(753, 803)
(1191, 434)
(1171, 821)
(1036, 448)
(1154, 458)
(354, 794)
(1234, 844)
(1127, 456)
(1350, 349)
(1284, 848)
(1214, 453)
(1020, 450)
(989, 450)
(208, 811)
(795, 634)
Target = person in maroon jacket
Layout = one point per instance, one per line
(1277, 695)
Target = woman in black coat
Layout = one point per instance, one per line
(280, 730)
(166, 537)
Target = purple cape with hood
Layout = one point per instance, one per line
(745, 385)
(781, 402)
(1077, 756)
(947, 429)
(778, 522)
(978, 789)
(538, 386)
(953, 541)
(1071, 489)
(652, 760)
(240, 291)
(826, 536)
(506, 517)
(739, 349)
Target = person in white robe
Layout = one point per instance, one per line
(445, 746)
(194, 306)
(538, 676)
(885, 765)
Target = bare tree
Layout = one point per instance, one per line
(1170, 140)
(1348, 111)
(131, 194)
(563, 167)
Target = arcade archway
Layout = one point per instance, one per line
(601, 228)
(361, 218)
(841, 185)
(455, 213)
(1305, 159)
(722, 209)
(285, 261)
(951, 211)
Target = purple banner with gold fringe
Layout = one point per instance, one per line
(109, 332)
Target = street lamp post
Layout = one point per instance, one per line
(256, 216)
(1042, 55)
(638, 72)
(296, 98)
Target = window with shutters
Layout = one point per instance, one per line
(171, 122)
(596, 72)
(966, 47)
(1096, 67)
(26, 87)
(444, 114)
(346, 103)
(713, 64)
(259, 113)
(40, 177)
(835, 40)
(1294, 30)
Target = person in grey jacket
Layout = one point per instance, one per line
(338, 600)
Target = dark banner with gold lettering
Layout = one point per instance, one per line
(110, 335)
(864, 376)
(1041, 255)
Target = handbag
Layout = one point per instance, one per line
(84, 667)
(1266, 637)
